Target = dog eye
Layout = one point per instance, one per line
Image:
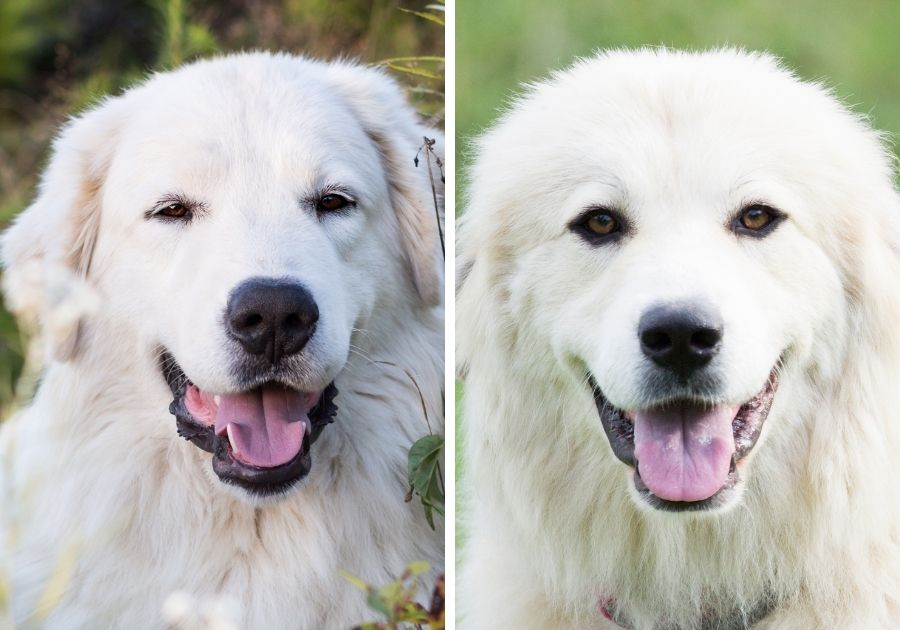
(597, 224)
(332, 202)
(757, 220)
(174, 210)
(602, 224)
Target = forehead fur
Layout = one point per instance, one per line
(276, 111)
(630, 118)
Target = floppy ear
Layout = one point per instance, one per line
(476, 291)
(394, 128)
(47, 250)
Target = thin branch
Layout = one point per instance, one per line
(428, 146)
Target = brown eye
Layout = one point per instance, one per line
(599, 225)
(757, 220)
(602, 224)
(332, 202)
(174, 210)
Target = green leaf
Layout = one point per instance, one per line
(419, 59)
(355, 581)
(377, 604)
(424, 466)
(424, 457)
(414, 569)
(426, 16)
(419, 72)
(425, 474)
(391, 593)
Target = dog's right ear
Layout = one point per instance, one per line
(47, 251)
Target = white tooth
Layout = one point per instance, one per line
(234, 448)
(217, 399)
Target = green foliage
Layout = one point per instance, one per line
(26, 26)
(396, 601)
(424, 74)
(12, 353)
(425, 476)
(183, 40)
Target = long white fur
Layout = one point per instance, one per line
(680, 141)
(106, 511)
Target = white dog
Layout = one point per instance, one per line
(250, 237)
(680, 328)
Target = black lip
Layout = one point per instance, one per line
(256, 480)
(747, 427)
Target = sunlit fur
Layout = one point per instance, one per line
(679, 142)
(92, 472)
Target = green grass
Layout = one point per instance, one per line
(853, 45)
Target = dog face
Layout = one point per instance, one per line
(678, 234)
(250, 213)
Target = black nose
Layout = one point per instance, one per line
(270, 317)
(681, 337)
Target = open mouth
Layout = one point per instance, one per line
(260, 438)
(686, 453)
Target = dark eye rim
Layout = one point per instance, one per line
(740, 229)
(349, 204)
(579, 225)
(320, 202)
(192, 209)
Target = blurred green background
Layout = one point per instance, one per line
(854, 46)
(59, 56)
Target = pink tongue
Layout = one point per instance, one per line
(266, 424)
(684, 453)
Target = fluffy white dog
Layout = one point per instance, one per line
(679, 324)
(246, 244)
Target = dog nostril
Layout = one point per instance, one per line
(250, 321)
(295, 321)
(656, 340)
(705, 339)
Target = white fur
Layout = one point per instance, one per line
(680, 142)
(93, 470)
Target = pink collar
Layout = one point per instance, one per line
(607, 605)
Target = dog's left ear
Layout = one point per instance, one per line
(47, 251)
(400, 137)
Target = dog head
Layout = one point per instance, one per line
(244, 216)
(687, 237)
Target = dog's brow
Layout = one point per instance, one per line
(332, 188)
